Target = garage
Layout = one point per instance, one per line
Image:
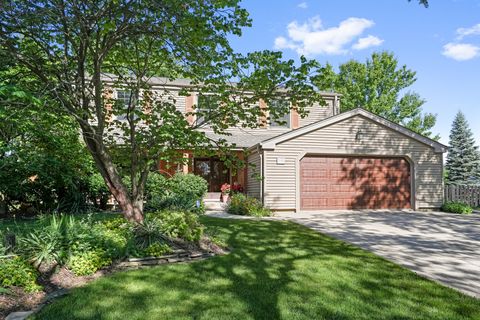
(349, 182)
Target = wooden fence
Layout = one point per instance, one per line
(466, 194)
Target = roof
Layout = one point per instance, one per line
(187, 83)
(270, 143)
(243, 139)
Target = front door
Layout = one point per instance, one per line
(214, 171)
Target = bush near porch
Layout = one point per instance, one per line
(181, 191)
(243, 205)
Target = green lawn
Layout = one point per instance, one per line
(277, 270)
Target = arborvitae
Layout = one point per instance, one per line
(463, 159)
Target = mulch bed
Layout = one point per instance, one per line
(56, 281)
(16, 299)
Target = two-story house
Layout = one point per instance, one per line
(327, 160)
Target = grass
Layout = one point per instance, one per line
(276, 270)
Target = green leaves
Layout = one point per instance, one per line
(377, 86)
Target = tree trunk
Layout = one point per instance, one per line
(132, 208)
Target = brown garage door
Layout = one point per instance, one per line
(354, 183)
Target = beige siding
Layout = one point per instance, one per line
(317, 113)
(281, 183)
(254, 174)
(171, 95)
(179, 101)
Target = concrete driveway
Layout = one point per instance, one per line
(440, 246)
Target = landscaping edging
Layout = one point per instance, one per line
(129, 264)
(182, 256)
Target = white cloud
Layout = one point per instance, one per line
(367, 42)
(311, 38)
(303, 5)
(460, 51)
(283, 43)
(472, 31)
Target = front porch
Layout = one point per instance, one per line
(212, 169)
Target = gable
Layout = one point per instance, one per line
(356, 135)
(356, 129)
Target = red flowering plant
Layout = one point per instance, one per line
(237, 188)
(225, 188)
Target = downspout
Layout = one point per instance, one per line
(260, 154)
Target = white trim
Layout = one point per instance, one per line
(270, 144)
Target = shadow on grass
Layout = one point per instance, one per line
(276, 270)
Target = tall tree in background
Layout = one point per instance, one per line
(70, 47)
(377, 86)
(463, 159)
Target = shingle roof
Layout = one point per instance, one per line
(243, 139)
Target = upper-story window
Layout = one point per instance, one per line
(283, 107)
(125, 100)
(206, 105)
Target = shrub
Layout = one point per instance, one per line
(155, 192)
(457, 207)
(42, 246)
(246, 206)
(18, 272)
(147, 233)
(180, 192)
(184, 202)
(115, 224)
(113, 236)
(97, 191)
(188, 184)
(180, 224)
(157, 250)
(54, 243)
(87, 263)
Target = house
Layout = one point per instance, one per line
(327, 160)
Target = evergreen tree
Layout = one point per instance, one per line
(463, 159)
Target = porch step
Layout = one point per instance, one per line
(214, 205)
(212, 197)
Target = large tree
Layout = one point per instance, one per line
(463, 158)
(43, 165)
(70, 47)
(378, 85)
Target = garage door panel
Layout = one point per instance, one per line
(354, 182)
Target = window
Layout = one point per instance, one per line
(206, 104)
(282, 107)
(124, 101)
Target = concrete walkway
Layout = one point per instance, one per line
(440, 246)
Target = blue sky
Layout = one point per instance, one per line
(441, 43)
